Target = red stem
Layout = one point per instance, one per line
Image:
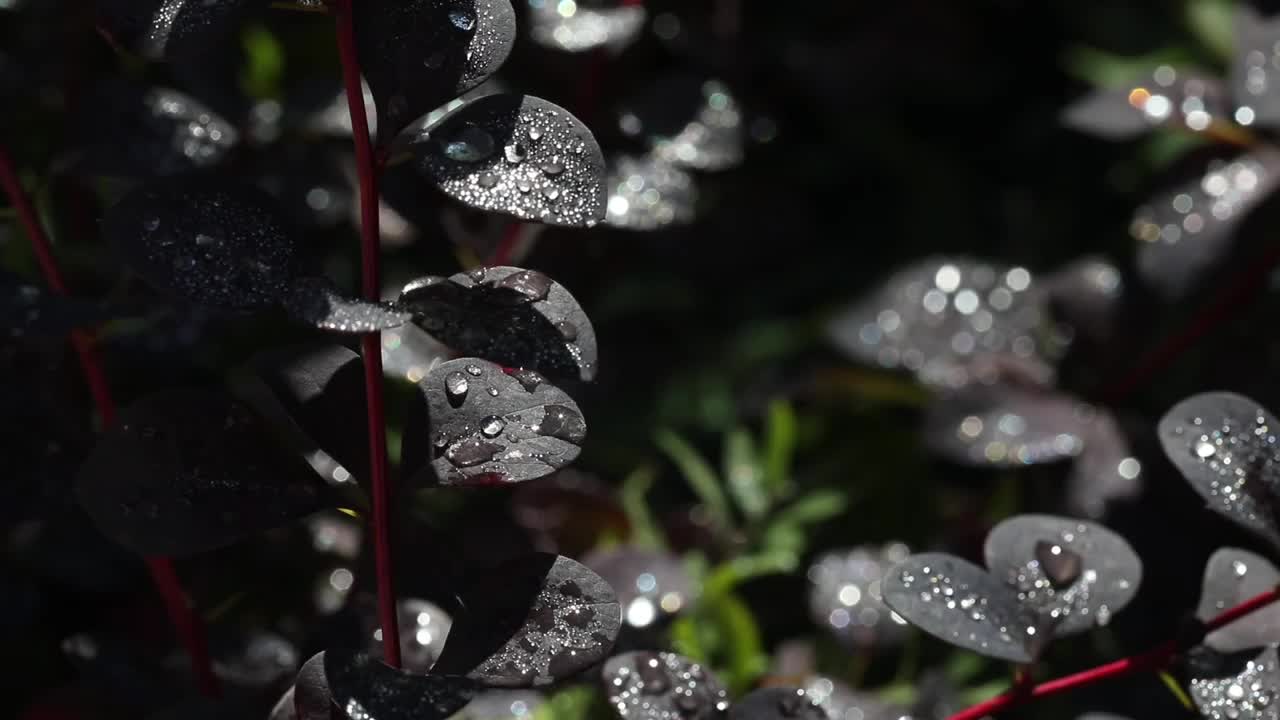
(1240, 289)
(507, 245)
(367, 170)
(1153, 659)
(186, 623)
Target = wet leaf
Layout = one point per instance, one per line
(1249, 695)
(1253, 68)
(1231, 577)
(313, 395)
(257, 661)
(689, 121)
(502, 705)
(1075, 573)
(1225, 446)
(312, 698)
(1165, 96)
(584, 27)
(960, 603)
(840, 702)
(365, 688)
(954, 321)
(166, 29)
(284, 708)
(777, 703)
(648, 194)
(315, 302)
(206, 240)
(845, 595)
(662, 686)
(1085, 295)
(1189, 229)
(515, 317)
(652, 586)
(518, 155)
(488, 426)
(188, 471)
(417, 54)
(139, 131)
(423, 629)
(535, 620)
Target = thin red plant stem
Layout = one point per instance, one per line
(1153, 659)
(1236, 292)
(507, 245)
(367, 170)
(186, 623)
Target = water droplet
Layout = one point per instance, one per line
(552, 169)
(462, 20)
(515, 153)
(551, 193)
(487, 180)
(568, 330)
(455, 388)
(532, 284)
(471, 452)
(535, 133)
(561, 422)
(652, 676)
(1062, 566)
(474, 371)
(471, 144)
(492, 426)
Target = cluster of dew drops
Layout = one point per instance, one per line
(664, 686)
(563, 623)
(1247, 695)
(1232, 451)
(941, 587)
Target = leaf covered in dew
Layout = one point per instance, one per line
(689, 121)
(839, 701)
(191, 470)
(511, 316)
(1076, 573)
(166, 29)
(777, 703)
(1224, 444)
(652, 586)
(1247, 694)
(647, 194)
(1232, 576)
(363, 687)
(645, 685)
(585, 26)
(1163, 97)
(534, 620)
(140, 131)
(313, 396)
(960, 603)
(206, 240)
(489, 426)
(845, 595)
(1254, 77)
(312, 698)
(315, 302)
(1085, 295)
(417, 54)
(423, 629)
(518, 155)
(953, 321)
(1189, 228)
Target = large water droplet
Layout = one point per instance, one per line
(471, 452)
(515, 153)
(530, 283)
(1062, 566)
(492, 426)
(470, 145)
(456, 387)
(563, 423)
(462, 20)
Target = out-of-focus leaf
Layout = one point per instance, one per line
(1231, 577)
(652, 586)
(845, 596)
(579, 28)
(777, 703)
(649, 194)
(1253, 61)
(1165, 96)
(655, 686)
(635, 488)
(780, 438)
(689, 121)
(1247, 694)
(166, 29)
(744, 474)
(698, 473)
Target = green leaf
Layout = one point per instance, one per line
(727, 576)
(692, 638)
(1213, 22)
(644, 531)
(699, 474)
(744, 657)
(788, 530)
(1102, 69)
(779, 448)
(745, 474)
(264, 64)
(571, 703)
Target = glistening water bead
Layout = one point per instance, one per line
(1250, 695)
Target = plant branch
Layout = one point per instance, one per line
(371, 346)
(186, 623)
(1155, 659)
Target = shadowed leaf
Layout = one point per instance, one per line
(1165, 96)
(165, 29)
(585, 27)
(365, 688)
(777, 703)
(1254, 78)
(1249, 694)
(1231, 577)
(689, 121)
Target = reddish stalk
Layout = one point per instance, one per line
(371, 346)
(1154, 659)
(506, 248)
(186, 623)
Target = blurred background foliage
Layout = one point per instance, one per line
(880, 133)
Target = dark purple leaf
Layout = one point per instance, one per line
(689, 121)
(488, 426)
(518, 155)
(845, 597)
(312, 395)
(1189, 229)
(649, 194)
(188, 471)
(1249, 694)
(585, 27)
(165, 29)
(652, 586)
(568, 512)
(534, 620)
(962, 604)
(777, 703)
(312, 698)
(1074, 573)
(1253, 68)
(515, 317)
(1085, 295)
(366, 689)
(315, 302)
(1231, 577)
(1225, 446)
(417, 54)
(662, 686)
(952, 322)
(1164, 97)
(206, 240)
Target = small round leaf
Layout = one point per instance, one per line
(167, 29)
(1250, 694)
(583, 27)
(777, 703)
(649, 194)
(662, 686)
(365, 688)
(689, 121)
(1231, 577)
(315, 302)
(845, 595)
